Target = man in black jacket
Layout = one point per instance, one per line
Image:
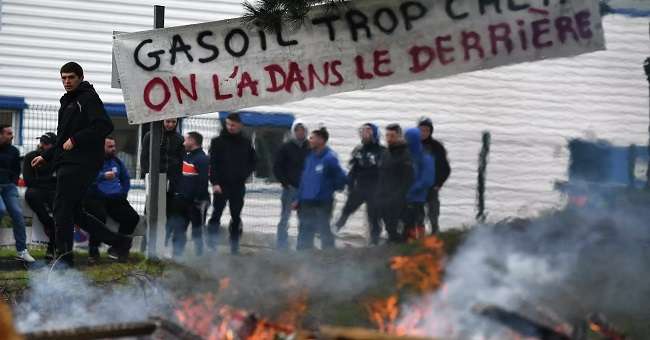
(77, 155)
(395, 178)
(442, 172)
(362, 180)
(41, 188)
(191, 198)
(232, 161)
(9, 201)
(287, 168)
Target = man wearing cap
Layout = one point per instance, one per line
(232, 161)
(41, 188)
(287, 169)
(442, 170)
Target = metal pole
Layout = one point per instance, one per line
(154, 162)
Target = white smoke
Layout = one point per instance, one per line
(553, 271)
(65, 299)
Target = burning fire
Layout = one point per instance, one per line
(422, 272)
(197, 314)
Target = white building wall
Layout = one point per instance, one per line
(532, 110)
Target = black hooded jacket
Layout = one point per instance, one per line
(232, 159)
(438, 151)
(41, 177)
(9, 164)
(171, 153)
(395, 175)
(83, 119)
(289, 162)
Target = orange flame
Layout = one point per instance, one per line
(208, 318)
(421, 272)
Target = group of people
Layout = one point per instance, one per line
(74, 179)
(396, 182)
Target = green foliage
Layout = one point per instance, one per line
(270, 14)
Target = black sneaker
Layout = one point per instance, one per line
(50, 254)
(119, 255)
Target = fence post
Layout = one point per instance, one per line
(154, 163)
(482, 167)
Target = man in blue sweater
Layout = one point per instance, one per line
(424, 177)
(321, 177)
(191, 197)
(108, 197)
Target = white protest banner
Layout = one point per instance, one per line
(229, 65)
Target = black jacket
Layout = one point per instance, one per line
(193, 183)
(395, 175)
(232, 159)
(438, 151)
(83, 119)
(290, 161)
(41, 177)
(9, 164)
(364, 165)
(171, 153)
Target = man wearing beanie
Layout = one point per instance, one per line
(362, 180)
(232, 161)
(287, 168)
(442, 170)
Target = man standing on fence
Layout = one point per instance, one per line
(395, 179)
(321, 177)
(287, 168)
(10, 202)
(78, 153)
(108, 198)
(232, 161)
(442, 170)
(41, 188)
(362, 180)
(191, 198)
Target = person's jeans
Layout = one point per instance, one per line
(356, 197)
(183, 213)
(10, 203)
(289, 195)
(314, 217)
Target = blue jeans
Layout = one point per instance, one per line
(289, 195)
(10, 203)
(314, 218)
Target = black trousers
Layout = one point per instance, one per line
(41, 201)
(358, 196)
(433, 210)
(413, 217)
(234, 196)
(393, 214)
(119, 209)
(71, 189)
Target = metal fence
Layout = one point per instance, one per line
(262, 204)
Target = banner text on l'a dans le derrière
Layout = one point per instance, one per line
(229, 65)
